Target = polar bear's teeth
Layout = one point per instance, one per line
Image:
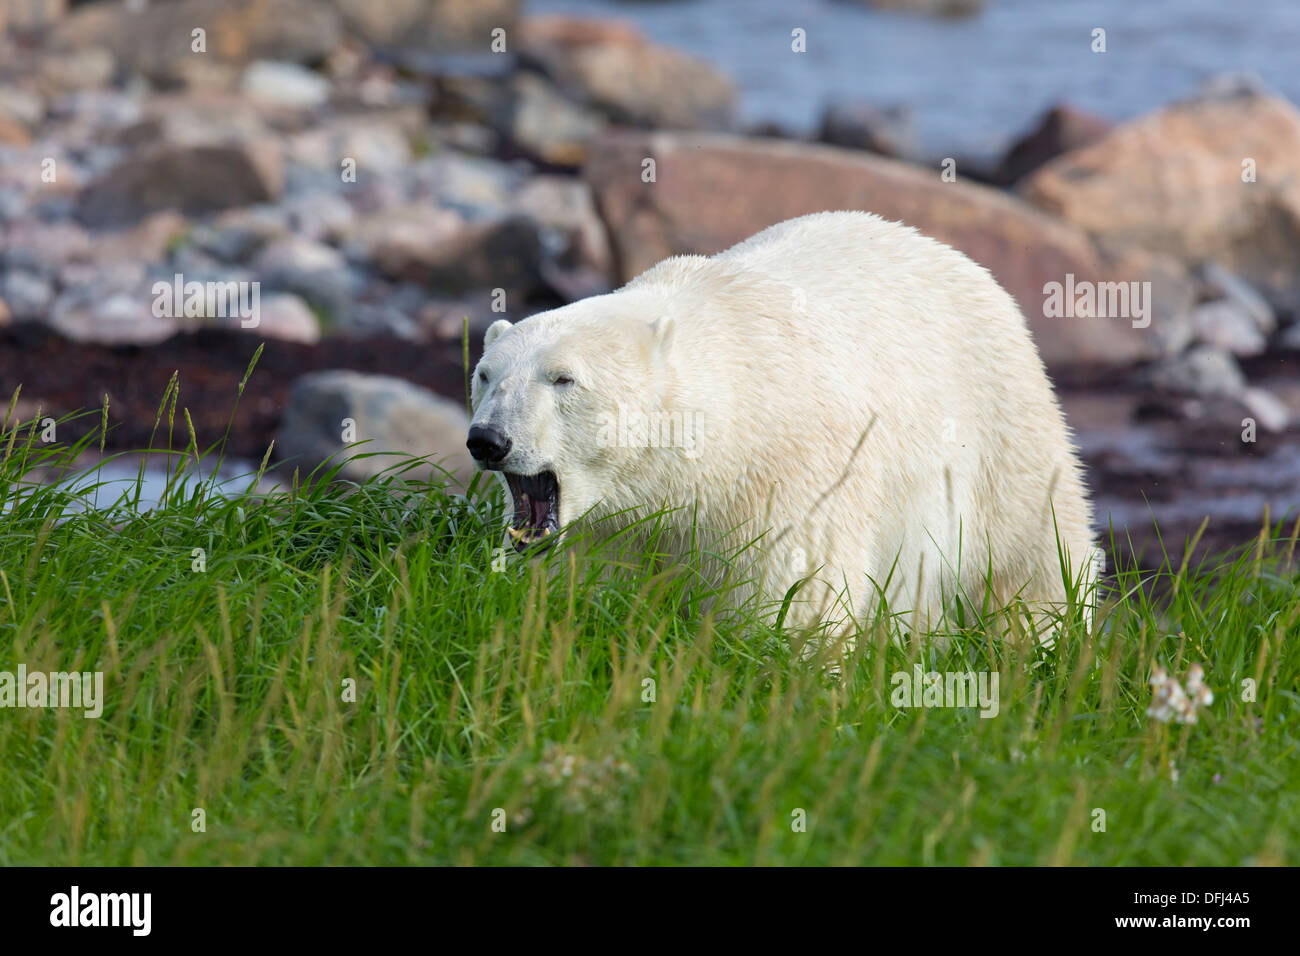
(516, 533)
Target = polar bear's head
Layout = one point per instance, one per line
(545, 398)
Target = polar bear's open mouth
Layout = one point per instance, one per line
(537, 508)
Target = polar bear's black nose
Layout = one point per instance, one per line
(487, 444)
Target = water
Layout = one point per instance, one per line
(116, 478)
(974, 83)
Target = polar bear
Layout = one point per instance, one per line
(861, 402)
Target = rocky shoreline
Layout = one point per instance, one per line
(368, 178)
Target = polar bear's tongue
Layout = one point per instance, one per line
(536, 507)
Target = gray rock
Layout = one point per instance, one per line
(86, 314)
(239, 234)
(16, 204)
(566, 208)
(104, 112)
(90, 69)
(279, 83)
(21, 105)
(108, 277)
(198, 266)
(28, 294)
(445, 318)
(312, 270)
(1226, 325)
(1062, 129)
(482, 100)
(287, 318)
(195, 120)
(390, 416)
(477, 188)
(382, 318)
(505, 254)
(1201, 371)
(13, 204)
(192, 179)
(887, 130)
(1174, 292)
(466, 137)
(548, 126)
(377, 146)
(1225, 284)
(293, 257)
(386, 239)
(440, 250)
(321, 216)
(1269, 410)
(43, 248)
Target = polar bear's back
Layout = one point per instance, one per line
(894, 321)
(877, 282)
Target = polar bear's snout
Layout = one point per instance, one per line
(488, 445)
(536, 498)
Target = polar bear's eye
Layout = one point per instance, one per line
(562, 379)
(482, 377)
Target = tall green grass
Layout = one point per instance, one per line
(590, 705)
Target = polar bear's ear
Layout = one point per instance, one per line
(494, 332)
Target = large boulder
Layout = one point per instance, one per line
(440, 250)
(1061, 129)
(192, 179)
(1214, 177)
(614, 68)
(389, 418)
(712, 191)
